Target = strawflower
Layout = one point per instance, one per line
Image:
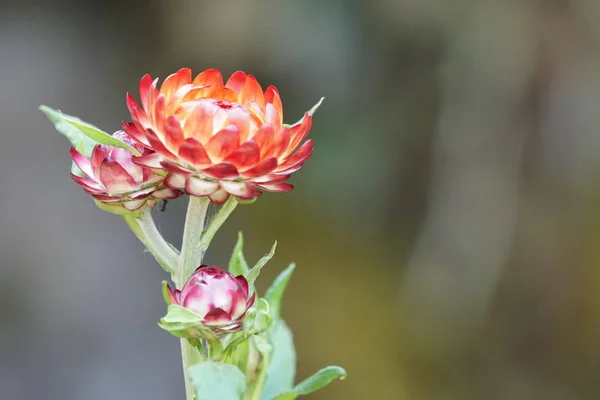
(217, 139)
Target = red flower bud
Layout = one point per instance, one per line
(217, 296)
(111, 176)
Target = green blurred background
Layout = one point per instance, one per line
(445, 229)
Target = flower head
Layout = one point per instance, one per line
(217, 139)
(218, 297)
(112, 178)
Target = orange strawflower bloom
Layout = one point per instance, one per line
(216, 139)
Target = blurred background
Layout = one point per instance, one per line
(446, 228)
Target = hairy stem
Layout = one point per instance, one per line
(194, 244)
(191, 248)
(146, 231)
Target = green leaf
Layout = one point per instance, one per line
(214, 381)
(274, 293)
(165, 292)
(255, 271)
(315, 107)
(282, 370)
(310, 112)
(78, 140)
(77, 130)
(237, 263)
(319, 380)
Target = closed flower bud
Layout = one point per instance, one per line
(113, 179)
(216, 296)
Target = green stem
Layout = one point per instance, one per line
(189, 356)
(146, 231)
(255, 390)
(193, 246)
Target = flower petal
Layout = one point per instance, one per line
(223, 143)
(245, 156)
(98, 156)
(192, 151)
(243, 190)
(276, 187)
(200, 187)
(137, 135)
(219, 197)
(151, 160)
(252, 93)
(144, 193)
(157, 145)
(166, 194)
(271, 178)
(175, 81)
(115, 178)
(88, 184)
(282, 141)
(298, 133)
(82, 162)
(158, 116)
(265, 167)
(236, 81)
(173, 294)
(133, 205)
(175, 181)
(145, 84)
(199, 122)
(210, 77)
(272, 97)
(298, 158)
(216, 317)
(243, 282)
(264, 138)
(221, 171)
(173, 133)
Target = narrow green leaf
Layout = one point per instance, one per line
(78, 140)
(99, 135)
(319, 380)
(310, 112)
(214, 381)
(274, 293)
(165, 292)
(237, 263)
(255, 271)
(77, 131)
(282, 371)
(316, 107)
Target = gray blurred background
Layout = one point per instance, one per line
(445, 229)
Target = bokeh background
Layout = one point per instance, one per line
(446, 228)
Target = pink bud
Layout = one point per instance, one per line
(217, 296)
(112, 177)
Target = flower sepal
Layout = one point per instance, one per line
(184, 323)
(258, 318)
